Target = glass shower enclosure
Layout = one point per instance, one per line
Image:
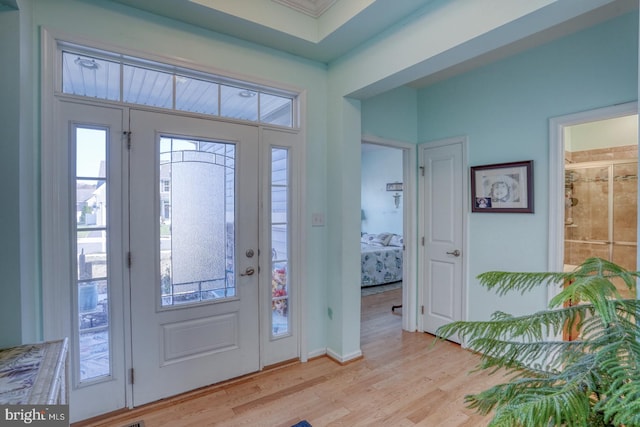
(601, 213)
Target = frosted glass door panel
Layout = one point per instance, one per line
(196, 221)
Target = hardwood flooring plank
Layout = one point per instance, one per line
(403, 380)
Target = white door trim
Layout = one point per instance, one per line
(557, 126)
(409, 166)
(463, 140)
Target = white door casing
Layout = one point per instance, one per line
(443, 206)
(179, 348)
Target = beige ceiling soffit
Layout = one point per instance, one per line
(314, 8)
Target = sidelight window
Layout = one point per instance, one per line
(280, 233)
(92, 237)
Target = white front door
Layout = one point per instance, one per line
(193, 206)
(442, 221)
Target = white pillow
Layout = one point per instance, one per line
(384, 238)
(396, 240)
(381, 239)
(367, 238)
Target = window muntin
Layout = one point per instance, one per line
(105, 75)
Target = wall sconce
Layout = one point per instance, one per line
(395, 186)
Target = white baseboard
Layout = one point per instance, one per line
(343, 358)
(317, 353)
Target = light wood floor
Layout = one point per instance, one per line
(402, 380)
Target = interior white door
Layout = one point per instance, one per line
(194, 253)
(443, 229)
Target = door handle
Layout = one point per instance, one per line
(454, 253)
(248, 272)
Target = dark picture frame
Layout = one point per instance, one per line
(394, 186)
(502, 187)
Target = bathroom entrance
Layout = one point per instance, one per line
(601, 193)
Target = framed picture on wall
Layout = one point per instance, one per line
(502, 187)
(394, 186)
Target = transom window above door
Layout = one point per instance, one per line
(113, 77)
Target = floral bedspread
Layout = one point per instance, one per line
(380, 264)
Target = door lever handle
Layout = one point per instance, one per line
(248, 272)
(454, 253)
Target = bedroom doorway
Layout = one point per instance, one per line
(386, 223)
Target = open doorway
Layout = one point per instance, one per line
(385, 184)
(601, 191)
(586, 218)
(601, 195)
(594, 190)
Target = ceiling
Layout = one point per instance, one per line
(320, 30)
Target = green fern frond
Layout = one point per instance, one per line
(503, 282)
(548, 404)
(592, 381)
(534, 326)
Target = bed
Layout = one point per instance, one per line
(381, 258)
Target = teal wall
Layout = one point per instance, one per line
(392, 115)
(381, 165)
(504, 110)
(10, 303)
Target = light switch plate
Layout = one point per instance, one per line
(317, 219)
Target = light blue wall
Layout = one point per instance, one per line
(504, 110)
(10, 303)
(392, 116)
(380, 166)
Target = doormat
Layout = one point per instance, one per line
(302, 423)
(136, 424)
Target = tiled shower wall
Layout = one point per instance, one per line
(587, 207)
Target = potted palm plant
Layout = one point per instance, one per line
(593, 380)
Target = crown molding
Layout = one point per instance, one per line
(313, 8)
